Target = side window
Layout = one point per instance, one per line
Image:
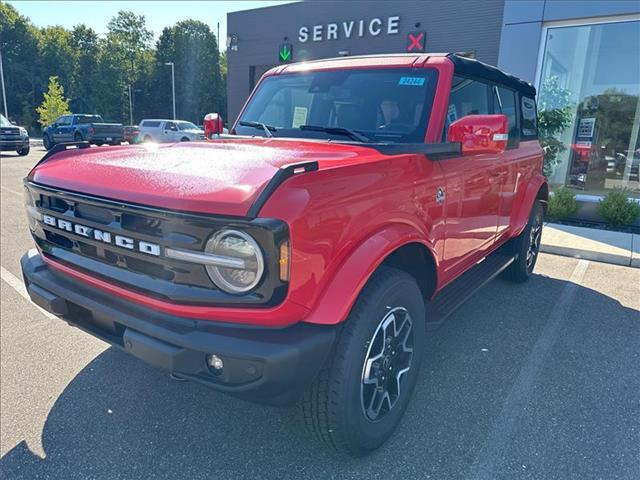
(529, 118)
(63, 121)
(171, 126)
(468, 97)
(505, 102)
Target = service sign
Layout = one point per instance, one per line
(349, 29)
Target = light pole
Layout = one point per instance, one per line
(173, 86)
(130, 107)
(4, 95)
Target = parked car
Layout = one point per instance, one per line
(131, 134)
(164, 131)
(82, 127)
(13, 137)
(305, 258)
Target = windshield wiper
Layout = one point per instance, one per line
(267, 128)
(355, 135)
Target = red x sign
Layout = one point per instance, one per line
(416, 41)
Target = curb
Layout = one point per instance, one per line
(617, 248)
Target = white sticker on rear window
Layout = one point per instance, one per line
(299, 117)
(411, 81)
(452, 116)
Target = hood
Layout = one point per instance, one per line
(220, 177)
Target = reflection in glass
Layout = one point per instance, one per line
(589, 104)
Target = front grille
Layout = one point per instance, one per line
(10, 132)
(159, 276)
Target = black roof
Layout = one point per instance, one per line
(473, 68)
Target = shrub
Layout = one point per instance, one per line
(618, 209)
(562, 204)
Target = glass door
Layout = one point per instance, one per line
(589, 104)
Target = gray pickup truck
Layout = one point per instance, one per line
(82, 127)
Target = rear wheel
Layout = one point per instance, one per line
(77, 137)
(46, 142)
(147, 139)
(362, 392)
(184, 139)
(527, 246)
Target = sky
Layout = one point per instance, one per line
(159, 14)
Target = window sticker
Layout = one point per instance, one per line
(411, 81)
(452, 115)
(299, 116)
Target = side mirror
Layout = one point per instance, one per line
(480, 133)
(213, 125)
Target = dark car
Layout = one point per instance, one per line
(82, 127)
(131, 134)
(13, 137)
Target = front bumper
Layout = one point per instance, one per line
(14, 143)
(264, 365)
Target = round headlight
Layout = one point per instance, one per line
(237, 245)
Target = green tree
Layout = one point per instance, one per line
(192, 46)
(86, 46)
(54, 103)
(19, 45)
(554, 116)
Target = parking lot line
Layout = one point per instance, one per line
(10, 190)
(499, 437)
(17, 284)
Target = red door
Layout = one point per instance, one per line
(472, 200)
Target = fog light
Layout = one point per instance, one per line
(215, 362)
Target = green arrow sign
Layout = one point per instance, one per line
(284, 52)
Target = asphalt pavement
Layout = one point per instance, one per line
(533, 381)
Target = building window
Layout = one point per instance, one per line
(589, 103)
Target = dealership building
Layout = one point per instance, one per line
(583, 57)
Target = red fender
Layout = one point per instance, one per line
(340, 295)
(520, 217)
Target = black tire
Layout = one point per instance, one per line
(336, 409)
(527, 247)
(46, 142)
(147, 139)
(184, 139)
(23, 151)
(77, 137)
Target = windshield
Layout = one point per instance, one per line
(4, 122)
(80, 119)
(379, 105)
(187, 126)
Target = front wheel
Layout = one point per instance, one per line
(23, 151)
(527, 246)
(77, 137)
(362, 392)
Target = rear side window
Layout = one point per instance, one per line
(468, 97)
(529, 118)
(171, 126)
(150, 124)
(81, 119)
(505, 103)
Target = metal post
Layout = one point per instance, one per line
(130, 107)
(4, 94)
(173, 86)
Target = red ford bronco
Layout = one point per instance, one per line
(356, 202)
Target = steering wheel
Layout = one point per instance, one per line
(399, 127)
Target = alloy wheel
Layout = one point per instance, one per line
(388, 359)
(535, 236)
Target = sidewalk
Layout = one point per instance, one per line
(591, 244)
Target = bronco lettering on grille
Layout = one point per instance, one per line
(102, 236)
